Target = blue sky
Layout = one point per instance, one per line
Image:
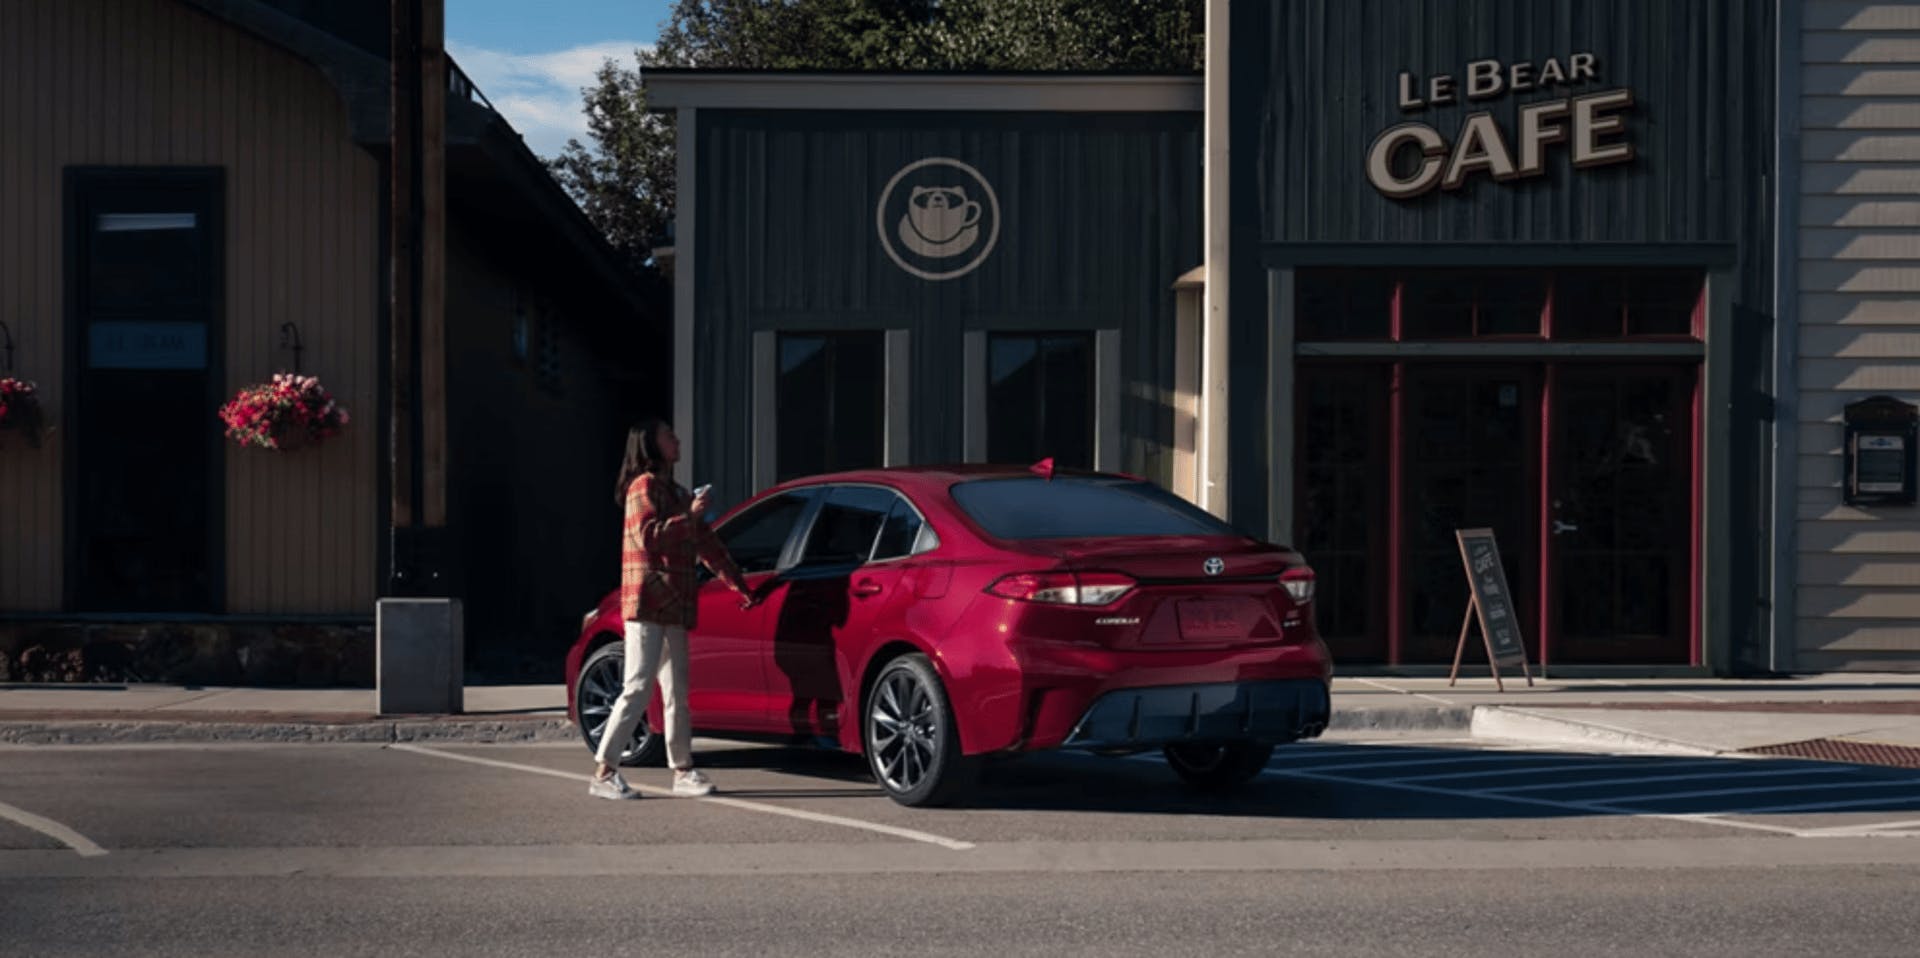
(531, 58)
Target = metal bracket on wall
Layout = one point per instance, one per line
(290, 339)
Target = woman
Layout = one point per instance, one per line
(665, 532)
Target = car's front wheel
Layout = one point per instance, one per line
(911, 742)
(595, 691)
(1218, 767)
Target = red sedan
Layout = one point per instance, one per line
(933, 617)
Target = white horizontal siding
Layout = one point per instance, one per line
(1879, 146)
(1855, 244)
(1852, 602)
(1859, 179)
(1859, 635)
(1869, 342)
(1893, 210)
(1851, 80)
(1859, 309)
(1846, 46)
(1854, 374)
(1898, 536)
(1822, 15)
(1891, 571)
(1833, 276)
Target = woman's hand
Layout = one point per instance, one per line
(699, 507)
(749, 599)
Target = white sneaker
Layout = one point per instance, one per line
(613, 786)
(692, 783)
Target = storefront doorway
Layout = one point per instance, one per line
(1585, 468)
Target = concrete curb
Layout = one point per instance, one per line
(1512, 724)
(93, 731)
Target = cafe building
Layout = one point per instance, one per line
(1604, 278)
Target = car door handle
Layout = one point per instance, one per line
(866, 587)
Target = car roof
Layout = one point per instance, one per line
(934, 477)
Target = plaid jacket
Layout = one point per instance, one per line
(661, 541)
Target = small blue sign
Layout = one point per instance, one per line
(137, 345)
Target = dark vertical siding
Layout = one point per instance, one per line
(1100, 214)
(1701, 72)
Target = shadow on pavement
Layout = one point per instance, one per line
(1387, 782)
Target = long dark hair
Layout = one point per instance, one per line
(643, 455)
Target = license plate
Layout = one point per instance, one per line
(1208, 619)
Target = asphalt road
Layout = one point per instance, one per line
(1377, 846)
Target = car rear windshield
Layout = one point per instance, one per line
(1076, 507)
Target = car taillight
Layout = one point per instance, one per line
(1299, 584)
(1063, 588)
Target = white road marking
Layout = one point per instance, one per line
(1869, 827)
(52, 829)
(1742, 776)
(1548, 770)
(1814, 807)
(1391, 688)
(1411, 762)
(907, 833)
(1589, 808)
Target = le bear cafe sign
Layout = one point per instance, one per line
(1412, 158)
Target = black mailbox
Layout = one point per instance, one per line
(1879, 451)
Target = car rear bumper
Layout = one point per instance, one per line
(1271, 711)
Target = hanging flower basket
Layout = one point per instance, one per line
(287, 413)
(20, 409)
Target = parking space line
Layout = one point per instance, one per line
(1412, 762)
(1550, 769)
(52, 829)
(1815, 807)
(1723, 792)
(1588, 808)
(1839, 830)
(1741, 775)
(822, 818)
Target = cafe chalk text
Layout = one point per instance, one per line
(1591, 126)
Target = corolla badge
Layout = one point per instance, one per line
(934, 212)
(1214, 566)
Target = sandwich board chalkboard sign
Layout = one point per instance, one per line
(1491, 602)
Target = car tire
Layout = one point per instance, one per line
(595, 689)
(912, 744)
(1218, 767)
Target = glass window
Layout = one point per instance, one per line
(1663, 302)
(1040, 398)
(1509, 304)
(1437, 305)
(904, 534)
(832, 400)
(756, 537)
(142, 259)
(1075, 507)
(848, 525)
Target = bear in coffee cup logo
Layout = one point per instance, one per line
(938, 218)
(940, 221)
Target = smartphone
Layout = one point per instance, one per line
(699, 491)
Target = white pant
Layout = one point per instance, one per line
(644, 663)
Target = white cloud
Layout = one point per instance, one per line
(539, 93)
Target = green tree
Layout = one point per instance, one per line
(624, 177)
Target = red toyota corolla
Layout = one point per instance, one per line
(932, 617)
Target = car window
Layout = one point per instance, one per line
(1081, 507)
(756, 537)
(848, 523)
(903, 534)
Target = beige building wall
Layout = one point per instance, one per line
(1859, 314)
(154, 83)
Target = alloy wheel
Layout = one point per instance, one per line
(600, 686)
(904, 731)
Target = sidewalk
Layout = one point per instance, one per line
(1846, 717)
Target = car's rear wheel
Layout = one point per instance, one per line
(911, 742)
(595, 691)
(1218, 767)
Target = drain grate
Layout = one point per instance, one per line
(1838, 750)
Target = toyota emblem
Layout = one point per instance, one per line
(1214, 566)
